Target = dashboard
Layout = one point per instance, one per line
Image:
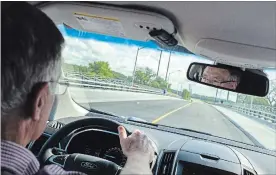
(179, 152)
(97, 143)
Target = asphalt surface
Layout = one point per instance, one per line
(178, 113)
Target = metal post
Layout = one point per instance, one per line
(216, 96)
(251, 104)
(169, 77)
(134, 69)
(168, 80)
(190, 89)
(168, 66)
(228, 96)
(159, 63)
(181, 91)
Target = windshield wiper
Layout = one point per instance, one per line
(158, 125)
(101, 112)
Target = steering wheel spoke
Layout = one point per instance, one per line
(55, 156)
(58, 160)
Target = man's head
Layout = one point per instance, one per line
(30, 67)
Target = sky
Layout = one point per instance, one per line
(121, 58)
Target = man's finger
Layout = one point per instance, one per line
(137, 132)
(122, 133)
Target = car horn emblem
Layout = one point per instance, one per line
(88, 165)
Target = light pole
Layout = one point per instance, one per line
(179, 87)
(159, 63)
(168, 66)
(169, 77)
(251, 102)
(134, 69)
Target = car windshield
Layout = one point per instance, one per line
(139, 79)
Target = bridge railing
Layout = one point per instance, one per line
(97, 82)
(266, 113)
(269, 109)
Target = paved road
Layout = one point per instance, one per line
(178, 113)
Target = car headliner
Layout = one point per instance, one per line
(237, 33)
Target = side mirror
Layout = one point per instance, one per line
(251, 82)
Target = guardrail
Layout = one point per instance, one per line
(267, 116)
(107, 80)
(104, 85)
(96, 82)
(96, 78)
(269, 109)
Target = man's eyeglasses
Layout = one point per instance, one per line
(59, 87)
(216, 81)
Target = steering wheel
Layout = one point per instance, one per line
(79, 162)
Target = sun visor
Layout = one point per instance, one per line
(107, 20)
(236, 54)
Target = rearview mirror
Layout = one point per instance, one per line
(252, 82)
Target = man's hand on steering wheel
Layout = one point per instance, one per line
(139, 151)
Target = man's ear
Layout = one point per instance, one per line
(40, 99)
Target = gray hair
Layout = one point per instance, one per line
(19, 94)
(31, 54)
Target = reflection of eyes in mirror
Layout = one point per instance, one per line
(219, 77)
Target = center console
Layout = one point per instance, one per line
(197, 157)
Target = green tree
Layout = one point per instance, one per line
(100, 68)
(186, 94)
(118, 75)
(140, 77)
(147, 76)
(159, 83)
(74, 68)
(144, 76)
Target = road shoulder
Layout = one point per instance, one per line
(260, 134)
